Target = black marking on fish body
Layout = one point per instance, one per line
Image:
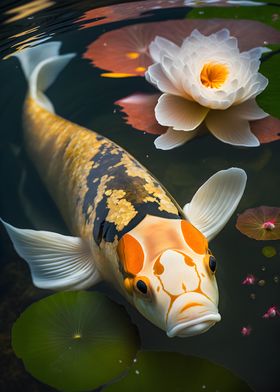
(107, 162)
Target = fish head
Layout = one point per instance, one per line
(170, 277)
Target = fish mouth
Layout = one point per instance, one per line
(194, 327)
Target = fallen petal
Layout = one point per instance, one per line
(140, 112)
(252, 223)
(172, 139)
(271, 312)
(246, 331)
(249, 280)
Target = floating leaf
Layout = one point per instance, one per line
(75, 341)
(140, 112)
(261, 223)
(126, 50)
(269, 251)
(166, 372)
(269, 99)
(268, 15)
(126, 11)
(267, 130)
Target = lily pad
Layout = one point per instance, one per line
(269, 99)
(140, 112)
(166, 371)
(75, 341)
(125, 51)
(261, 223)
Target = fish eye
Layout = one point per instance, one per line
(141, 286)
(212, 263)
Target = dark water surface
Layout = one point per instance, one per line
(82, 96)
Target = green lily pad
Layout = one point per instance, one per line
(165, 372)
(269, 98)
(268, 15)
(75, 341)
(269, 251)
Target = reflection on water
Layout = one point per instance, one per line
(26, 10)
(247, 339)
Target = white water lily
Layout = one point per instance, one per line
(206, 81)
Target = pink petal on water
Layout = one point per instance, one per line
(254, 223)
(267, 130)
(126, 50)
(271, 312)
(246, 331)
(140, 112)
(249, 280)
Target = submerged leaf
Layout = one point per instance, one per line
(166, 372)
(75, 341)
(261, 223)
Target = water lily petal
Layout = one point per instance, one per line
(179, 113)
(248, 110)
(230, 129)
(161, 46)
(157, 77)
(172, 139)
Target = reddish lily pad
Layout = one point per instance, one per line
(125, 11)
(261, 223)
(267, 130)
(140, 112)
(139, 109)
(126, 50)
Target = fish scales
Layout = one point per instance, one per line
(99, 188)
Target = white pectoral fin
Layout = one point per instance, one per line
(216, 200)
(56, 261)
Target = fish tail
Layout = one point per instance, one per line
(41, 65)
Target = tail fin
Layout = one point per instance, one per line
(41, 65)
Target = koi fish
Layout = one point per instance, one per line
(126, 228)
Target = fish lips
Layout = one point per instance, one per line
(191, 314)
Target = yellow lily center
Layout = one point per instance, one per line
(213, 75)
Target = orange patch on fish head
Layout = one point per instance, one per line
(194, 238)
(131, 254)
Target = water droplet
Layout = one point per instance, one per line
(137, 372)
(147, 156)
(263, 268)
(115, 111)
(265, 42)
(203, 386)
(276, 279)
(135, 360)
(120, 361)
(253, 296)
(261, 282)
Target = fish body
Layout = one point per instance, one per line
(126, 228)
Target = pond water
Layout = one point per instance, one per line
(81, 94)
